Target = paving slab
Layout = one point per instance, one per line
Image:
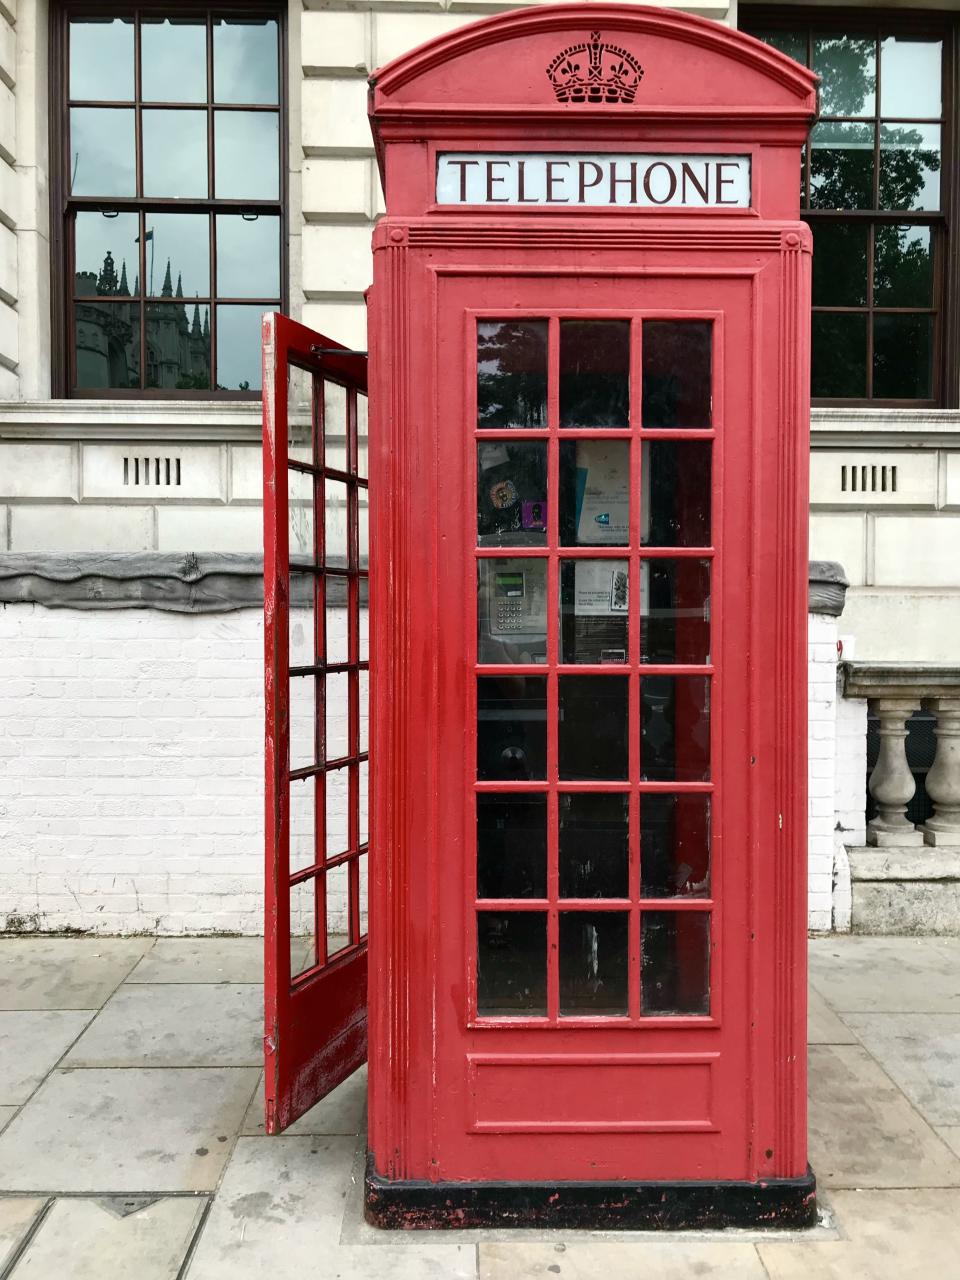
(32, 1042)
(949, 1133)
(6, 1115)
(887, 975)
(201, 960)
(344, 1111)
(17, 1216)
(90, 1239)
(890, 1235)
(823, 1025)
(65, 973)
(641, 1258)
(175, 1025)
(279, 1211)
(136, 1130)
(921, 1052)
(864, 1132)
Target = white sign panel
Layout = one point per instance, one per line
(594, 180)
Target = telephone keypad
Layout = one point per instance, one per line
(509, 615)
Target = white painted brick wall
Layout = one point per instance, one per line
(131, 776)
(821, 747)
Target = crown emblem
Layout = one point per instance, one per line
(595, 72)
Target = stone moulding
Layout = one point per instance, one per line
(193, 582)
(213, 582)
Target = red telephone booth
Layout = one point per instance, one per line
(588, 469)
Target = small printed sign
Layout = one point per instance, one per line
(594, 180)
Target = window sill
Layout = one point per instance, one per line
(863, 426)
(131, 420)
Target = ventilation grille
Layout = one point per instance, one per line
(158, 472)
(868, 479)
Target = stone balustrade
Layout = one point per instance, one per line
(894, 692)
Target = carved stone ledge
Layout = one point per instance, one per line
(195, 582)
(905, 891)
(828, 588)
(911, 680)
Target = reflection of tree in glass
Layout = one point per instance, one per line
(847, 69)
(906, 167)
(902, 267)
(512, 374)
(901, 357)
(841, 166)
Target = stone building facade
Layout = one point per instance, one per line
(172, 842)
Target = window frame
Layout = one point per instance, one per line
(945, 305)
(63, 205)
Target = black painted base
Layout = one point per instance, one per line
(643, 1206)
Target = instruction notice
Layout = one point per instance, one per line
(603, 493)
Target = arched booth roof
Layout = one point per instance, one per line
(513, 73)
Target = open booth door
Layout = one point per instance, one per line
(316, 677)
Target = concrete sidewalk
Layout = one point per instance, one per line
(132, 1142)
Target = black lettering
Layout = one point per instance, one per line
(583, 184)
(614, 181)
(672, 190)
(521, 197)
(722, 181)
(495, 177)
(462, 164)
(553, 178)
(702, 188)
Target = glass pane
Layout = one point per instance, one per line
(300, 505)
(594, 599)
(337, 832)
(674, 846)
(178, 346)
(101, 59)
(511, 963)
(902, 357)
(102, 152)
(363, 682)
(512, 610)
(674, 962)
(302, 927)
(245, 60)
(676, 493)
(841, 166)
(792, 43)
(910, 72)
(303, 721)
(107, 255)
(595, 493)
(512, 727)
(363, 800)
(512, 373)
(675, 611)
(594, 853)
(594, 373)
(675, 728)
(839, 355)
(840, 264)
(848, 69)
(593, 727)
(238, 347)
(511, 846)
(247, 150)
(107, 344)
(173, 60)
(337, 713)
(511, 494)
(336, 621)
(910, 166)
(248, 256)
(338, 908)
(677, 390)
(903, 267)
(174, 153)
(335, 520)
(178, 255)
(593, 962)
(303, 822)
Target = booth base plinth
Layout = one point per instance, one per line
(641, 1206)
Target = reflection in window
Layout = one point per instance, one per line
(675, 728)
(594, 849)
(674, 962)
(593, 963)
(877, 148)
(674, 845)
(154, 261)
(594, 373)
(511, 494)
(511, 963)
(512, 373)
(511, 846)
